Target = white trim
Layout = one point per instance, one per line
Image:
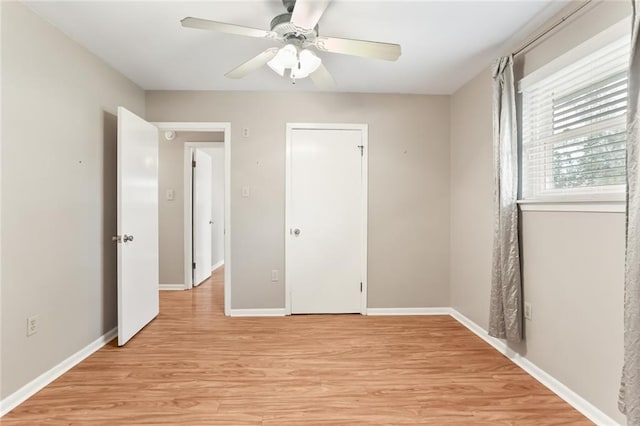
(408, 311)
(170, 287)
(279, 312)
(208, 127)
(197, 126)
(37, 384)
(287, 218)
(364, 131)
(569, 206)
(217, 265)
(576, 401)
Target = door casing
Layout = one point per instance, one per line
(363, 128)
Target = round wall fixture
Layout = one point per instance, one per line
(170, 135)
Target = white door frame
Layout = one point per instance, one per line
(364, 131)
(206, 127)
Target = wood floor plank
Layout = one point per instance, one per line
(192, 365)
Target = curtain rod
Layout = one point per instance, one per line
(553, 27)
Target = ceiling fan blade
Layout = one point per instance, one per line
(252, 64)
(364, 48)
(221, 27)
(322, 78)
(307, 13)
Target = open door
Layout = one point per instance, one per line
(138, 275)
(202, 222)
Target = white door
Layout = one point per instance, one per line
(325, 253)
(138, 296)
(202, 220)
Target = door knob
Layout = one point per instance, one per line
(127, 238)
(296, 231)
(210, 222)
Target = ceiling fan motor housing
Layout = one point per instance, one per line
(282, 26)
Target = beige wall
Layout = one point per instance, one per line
(408, 186)
(58, 194)
(573, 263)
(171, 213)
(471, 199)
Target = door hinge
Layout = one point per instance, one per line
(193, 265)
(193, 163)
(360, 287)
(361, 150)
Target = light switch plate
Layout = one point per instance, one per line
(33, 323)
(171, 195)
(246, 191)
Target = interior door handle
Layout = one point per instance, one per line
(118, 239)
(296, 232)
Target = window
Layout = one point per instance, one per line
(574, 127)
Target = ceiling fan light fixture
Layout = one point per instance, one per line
(309, 62)
(287, 57)
(276, 67)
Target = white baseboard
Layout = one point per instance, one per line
(279, 312)
(589, 410)
(164, 287)
(217, 265)
(37, 384)
(408, 311)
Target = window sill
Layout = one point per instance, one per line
(612, 206)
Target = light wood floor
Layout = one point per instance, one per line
(193, 365)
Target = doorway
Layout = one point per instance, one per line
(186, 216)
(207, 208)
(326, 218)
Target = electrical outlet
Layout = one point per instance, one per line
(274, 275)
(527, 310)
(33, 324)
(245, 132)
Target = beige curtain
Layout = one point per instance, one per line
(505, 319)
(629, 401)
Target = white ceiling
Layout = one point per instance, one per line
(444, 43)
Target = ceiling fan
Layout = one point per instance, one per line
(297, 29)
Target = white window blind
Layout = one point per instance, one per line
(574, 127)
